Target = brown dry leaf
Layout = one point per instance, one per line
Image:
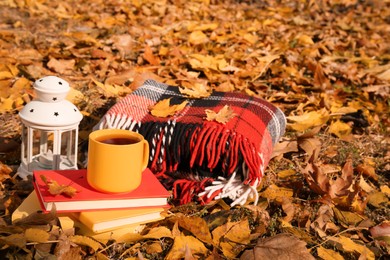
(36, 235)
(18, 240)
(342, 185)
(232, 237)
(197, 226)
(328, 254)
(281, 246)
(311, 146)
(64, 67)
(222, 116)
(57, 189)
(284, 147)
(163, 108)
(324, 221)
(85, 241)
(309, 120)
(181, 246)
(288, 208)
(367, 170)
(196, 90)
(5, 172)
(381, 232)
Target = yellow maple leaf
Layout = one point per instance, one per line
(196, 90)
(340, 129)
(57, 189)
(309, 120)
(223, 116)
(164, 108)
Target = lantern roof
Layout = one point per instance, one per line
(50, 108)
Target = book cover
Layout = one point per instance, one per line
(150, 193)
(102, 221)
(31, 205)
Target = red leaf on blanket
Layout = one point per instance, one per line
(164, 108)
(223, 116)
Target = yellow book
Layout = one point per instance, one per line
(102, 221)
(31, 205)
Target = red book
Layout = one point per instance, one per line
(150, 193)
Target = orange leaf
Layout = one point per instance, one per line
(163, 108)
(57, 189)
(197, 90)
(223, 116)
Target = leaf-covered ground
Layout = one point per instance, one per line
(325, 63)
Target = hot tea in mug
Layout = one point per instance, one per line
(116, 160)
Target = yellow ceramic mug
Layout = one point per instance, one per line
(116, 160)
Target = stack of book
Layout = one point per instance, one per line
(95, 212)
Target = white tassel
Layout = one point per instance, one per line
(234, 189)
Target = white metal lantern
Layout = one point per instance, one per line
(49, 128)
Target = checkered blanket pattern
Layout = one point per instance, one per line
(202, 159)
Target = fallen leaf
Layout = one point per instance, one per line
(85, 241)
(62, 66)
(385, 189)
(340, 129)
(222, 116)
(280, 246)
(158, 233)
(197, 226)
(381, 231)
(367, 170)
(196, 90)
(182, 244)
(163, 108)
(328, 254)
(350, 246)
(198, 37)
(109, 90)
(348, 217)
(377, 199)
(36, 235)
(274, 192)
(232, 237)
(57, 189)
(284, 147)
(149, 56)
(309, 120)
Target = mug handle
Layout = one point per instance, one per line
(145, 159)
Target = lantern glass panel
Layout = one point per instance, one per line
(68, 149)
(42, 149)
(24, 147)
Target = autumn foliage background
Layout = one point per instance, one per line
(325, 63)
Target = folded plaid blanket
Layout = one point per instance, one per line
(202, 159)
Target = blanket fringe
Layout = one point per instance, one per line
(226, 161)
